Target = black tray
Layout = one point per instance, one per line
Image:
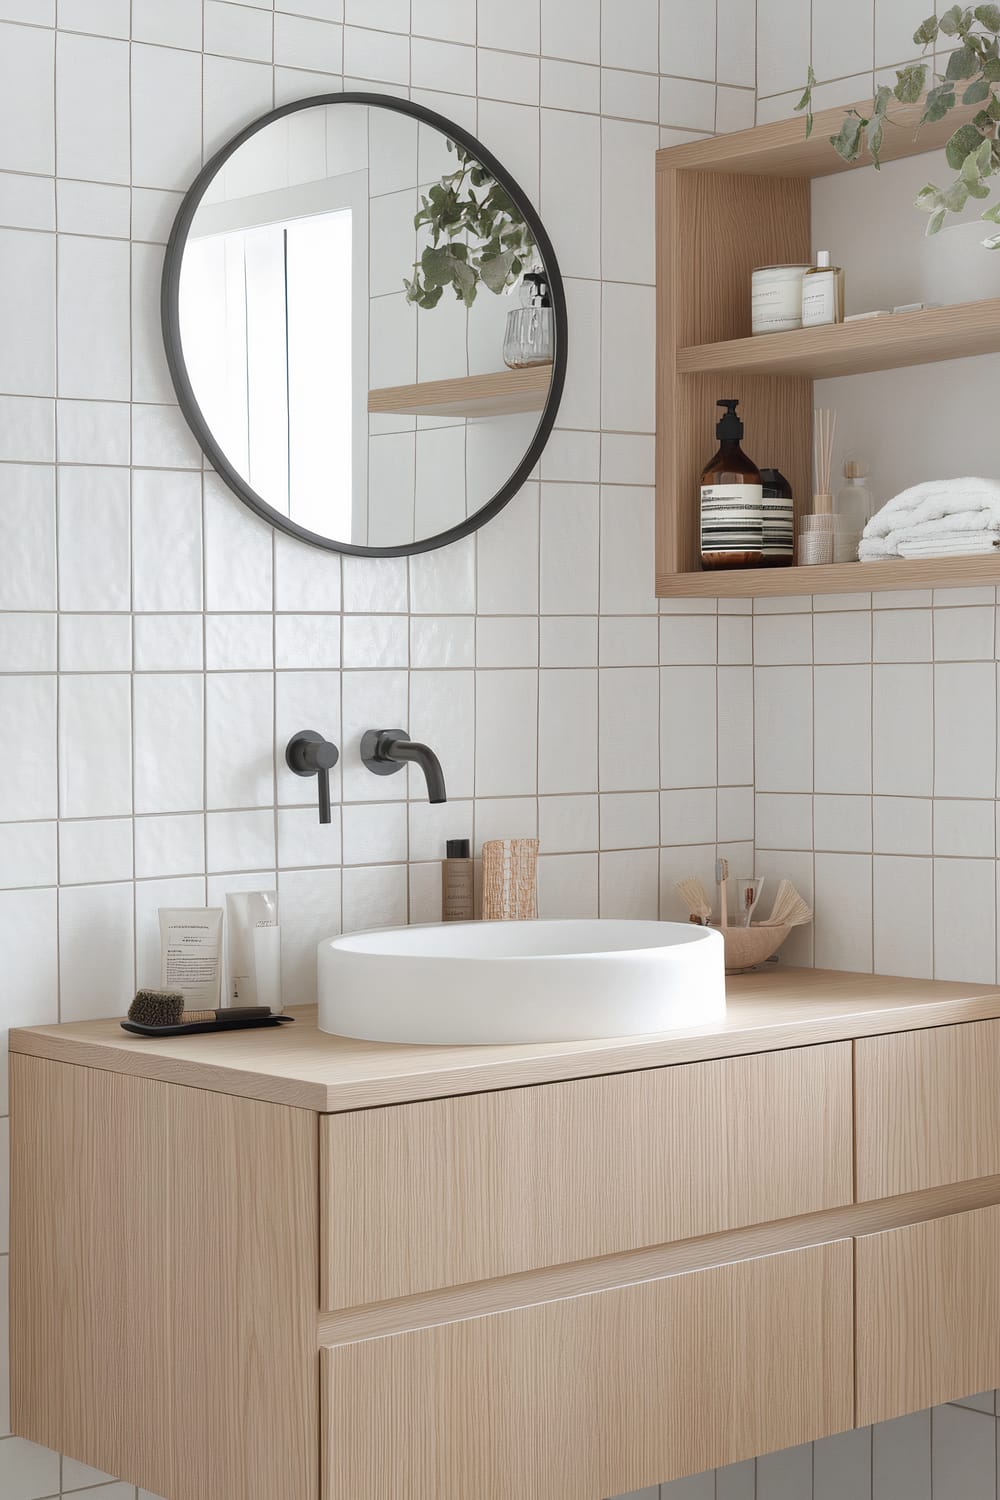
(236, 1024)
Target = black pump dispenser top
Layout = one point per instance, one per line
(729, 429)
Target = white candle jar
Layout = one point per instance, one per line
(776, 298)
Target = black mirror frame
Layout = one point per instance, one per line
(169, 315)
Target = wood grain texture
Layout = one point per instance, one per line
(458, 1190)
(782, 150)
(913, 338)
(478, 1299)
(594, 1396)
(928, 1310)
(302, 1066)
(711, 232)
(833, 578)
(927, 1108)
(498, 394)
(163, 1282)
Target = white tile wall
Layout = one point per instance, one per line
(158, 644)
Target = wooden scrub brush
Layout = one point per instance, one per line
(161, 1012)
(789, 909)
(692, 893)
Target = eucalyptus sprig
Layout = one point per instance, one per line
(477, 235)
(973, 151)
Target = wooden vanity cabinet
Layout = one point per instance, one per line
(261, 1265)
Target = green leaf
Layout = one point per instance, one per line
(939, 101)
(978, 190)
(955, 197)
(926, 32)
(965, 139)
(847, 143)
(952, 20)
(976, 92)
(988, 16)
(495, 271)
(873, 139)
(910, 83)
(928, 198)
(962, 63)
(991, 214)
(806, 100)
(935, 222)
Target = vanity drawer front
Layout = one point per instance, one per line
(928, 1311)
(596, 1395)
(928, 1108)
(448, 1191)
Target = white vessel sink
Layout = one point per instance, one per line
(503, 982)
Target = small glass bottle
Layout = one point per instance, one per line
(853, 508)
(530, 334)
(732, 514)
(822, 293)
(457, 882)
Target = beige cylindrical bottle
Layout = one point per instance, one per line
(457, 882)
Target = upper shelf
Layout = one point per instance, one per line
(498, 394)
(781, 149)
(913, 338)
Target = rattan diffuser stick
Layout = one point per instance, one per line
(824, 429)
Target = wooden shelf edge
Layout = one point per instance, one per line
(833, 578)
(780, 148)
(499, 393)
(923, 337)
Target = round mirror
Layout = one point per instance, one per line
(365, 324)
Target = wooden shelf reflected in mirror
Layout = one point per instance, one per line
(501, 393)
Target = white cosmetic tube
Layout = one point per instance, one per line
(191, 953)
(254, 949)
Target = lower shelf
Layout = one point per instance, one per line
(832, 578)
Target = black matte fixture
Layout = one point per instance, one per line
(386, 751)
(309, 754)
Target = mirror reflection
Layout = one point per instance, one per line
(366, 323)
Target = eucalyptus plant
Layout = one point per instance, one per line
(477, 236)
(973, 151)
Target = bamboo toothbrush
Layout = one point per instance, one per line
(721, 880)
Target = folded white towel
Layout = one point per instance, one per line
(940, 507)
(957, 544)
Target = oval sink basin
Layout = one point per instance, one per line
(564, 981)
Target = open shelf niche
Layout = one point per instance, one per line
(724, 206)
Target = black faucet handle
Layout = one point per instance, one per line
(309, 754)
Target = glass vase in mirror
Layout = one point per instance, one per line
(365, 324)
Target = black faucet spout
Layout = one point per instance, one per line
(385, 751)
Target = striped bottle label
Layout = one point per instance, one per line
(732, 518)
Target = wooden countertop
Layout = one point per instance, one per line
(300, 1065)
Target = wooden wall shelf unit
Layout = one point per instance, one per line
(501, 393)
(725, 205)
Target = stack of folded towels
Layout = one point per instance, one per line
(942, 518)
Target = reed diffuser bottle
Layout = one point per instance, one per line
(816, 529)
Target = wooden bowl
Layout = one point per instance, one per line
(746, 947)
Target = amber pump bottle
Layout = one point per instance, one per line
(732, 511)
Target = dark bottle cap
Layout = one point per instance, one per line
(457, 849)
(774, 481)
(729, 428)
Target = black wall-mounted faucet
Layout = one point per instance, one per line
(386, 751)
(309, 754)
